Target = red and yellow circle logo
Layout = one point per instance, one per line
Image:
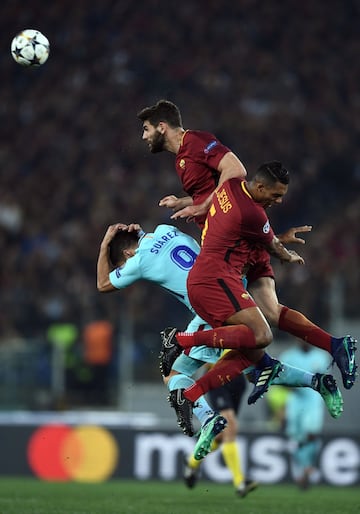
(83, 454)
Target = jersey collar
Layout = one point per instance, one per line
(244, 188)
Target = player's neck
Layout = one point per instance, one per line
(174, 139)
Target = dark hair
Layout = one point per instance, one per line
(163, 110)
(121, 241)
(273, 171)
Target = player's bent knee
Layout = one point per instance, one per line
(263, 338)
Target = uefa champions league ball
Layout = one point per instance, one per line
(30, 48)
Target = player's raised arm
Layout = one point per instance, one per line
(230, 166)
(104, 266)
(104, 263)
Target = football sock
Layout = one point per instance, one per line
(231, 455)
(264, 362)
(231, 336)
(201, 409)
(225, 369)
(179, 381)
(193, 463)
(298, 325)
(293, 377)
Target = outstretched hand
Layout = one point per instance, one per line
(190, 212)
(170, 201)
(290, 235)
(175, 203)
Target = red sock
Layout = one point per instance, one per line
(227, 368)
(298, 325)
(231, 336)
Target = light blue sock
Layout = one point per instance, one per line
(202, 409)
(179, 381)
(294, 377)
(290, 376)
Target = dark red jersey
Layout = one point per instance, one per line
(196, 164)
(235, 226)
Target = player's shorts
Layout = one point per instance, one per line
(228, 396)
(188, 364)
(216, 291)
(196, 324)
(261, 267)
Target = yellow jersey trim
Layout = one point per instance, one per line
(243, 187)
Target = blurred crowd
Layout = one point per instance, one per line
(273, 80)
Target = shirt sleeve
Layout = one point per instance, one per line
(208, 148)
(259, 228)
(127, 274)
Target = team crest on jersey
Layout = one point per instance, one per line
(266, 227)
(182, 164)
(210, 146)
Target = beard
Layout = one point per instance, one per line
(158, 143)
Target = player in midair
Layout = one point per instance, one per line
(164, 257)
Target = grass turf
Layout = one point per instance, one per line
(30, 496)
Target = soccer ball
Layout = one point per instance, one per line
(30, 48)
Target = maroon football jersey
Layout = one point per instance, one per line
(235, 225)
(196, 164)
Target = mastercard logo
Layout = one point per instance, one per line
(82, 454)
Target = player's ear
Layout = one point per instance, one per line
(161, 127)
(260, 186)
(128, 253)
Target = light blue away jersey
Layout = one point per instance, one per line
(164, 257)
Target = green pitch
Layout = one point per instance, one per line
(29, 496)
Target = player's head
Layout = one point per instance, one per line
(156, 119)
(270, 183)
(122, 246)
(163, 110)
(272, 172)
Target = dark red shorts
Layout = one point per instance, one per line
(216, 291)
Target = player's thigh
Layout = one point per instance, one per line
(263, 291)
(255, 320)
